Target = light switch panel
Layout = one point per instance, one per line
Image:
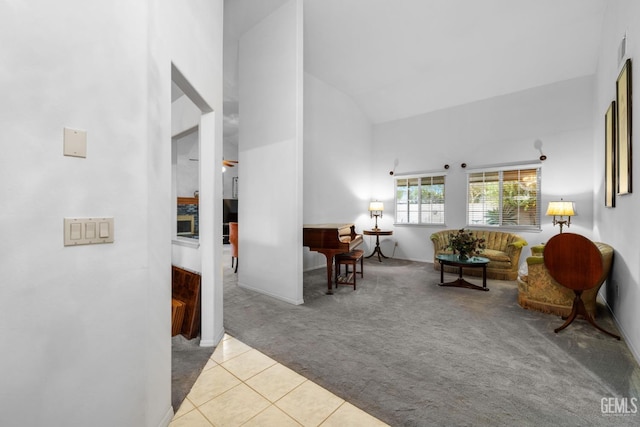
(90, 230)
(75, 142)
(87, 231)
(104, 230)
(76, 231)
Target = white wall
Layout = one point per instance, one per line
(187, 170)
(196, 51)
(494, 131)
(270, 152)
(89, 327)
(337, 158)
(618, 226)
(75, 316)
(185, 115)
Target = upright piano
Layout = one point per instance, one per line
(329, 240)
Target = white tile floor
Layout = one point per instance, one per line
(240, 386)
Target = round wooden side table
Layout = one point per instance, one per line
(576, 263)
(378, 233)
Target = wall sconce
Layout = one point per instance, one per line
(538, 144)
(375, 209)
(561, 209)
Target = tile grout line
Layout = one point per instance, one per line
(265, 409)
(229, 337)
(257, 373)
(333, 412)
(271, 403)
(204, 416)
(244, 382)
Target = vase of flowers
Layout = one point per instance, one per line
(465, 244)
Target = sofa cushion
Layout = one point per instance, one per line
(499, 265)
(495, 255)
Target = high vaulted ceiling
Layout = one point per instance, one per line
(401, 58)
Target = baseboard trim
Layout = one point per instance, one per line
(314, 268)
(214, 342)
(634, 350)
(166, 419)
(261, 291)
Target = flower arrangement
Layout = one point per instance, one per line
(465, 243)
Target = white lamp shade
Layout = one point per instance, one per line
(376, 206)
(560, 208)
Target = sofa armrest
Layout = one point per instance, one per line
(514, 249)
(517, 245)
(440, 242)
(534, 260)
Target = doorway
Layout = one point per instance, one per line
(204, 254)
(199, 249)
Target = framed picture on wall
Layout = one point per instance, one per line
(623, 129)
(610, 156)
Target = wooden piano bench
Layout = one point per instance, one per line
(347, 259)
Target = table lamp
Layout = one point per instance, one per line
(561, 209)
(375, 209)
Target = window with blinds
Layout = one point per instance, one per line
(504, 198)
(420, 200)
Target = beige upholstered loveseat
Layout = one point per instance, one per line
(538, 291)
(502, 248)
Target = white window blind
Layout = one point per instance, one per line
(504, 198)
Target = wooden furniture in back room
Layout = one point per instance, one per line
(177, 316)
(185, 287)
(233, 241)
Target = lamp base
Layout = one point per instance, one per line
(562, 222)
(375, 228)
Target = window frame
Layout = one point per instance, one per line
(501, 170)
(419, 176)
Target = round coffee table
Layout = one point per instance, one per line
(471, 262)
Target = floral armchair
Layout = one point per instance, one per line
(537, 290)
